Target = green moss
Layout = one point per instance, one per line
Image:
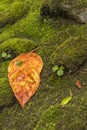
(56, 39)
(72, 53)
(6, 94)
(42, 110)
(15, 46)
(13, 13)
(49, 118)
(4, 4)
(58, 118)
(3, 69)
(34, 24)
(27, 27)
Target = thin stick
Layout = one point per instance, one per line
(35, 49)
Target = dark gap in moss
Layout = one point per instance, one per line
(76, 70)
(14, 101)
(12, 52)
(60, 13)
(45, 11)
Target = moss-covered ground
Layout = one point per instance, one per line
(60, 42)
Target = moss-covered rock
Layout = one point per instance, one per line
(71, 53)
(14, 12)
(75, 10)
(13, 46)
(43, 108)
(60, 41)
(6, 94)
(4, 69)
(16, 46)
(51, 119)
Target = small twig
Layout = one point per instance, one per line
(35, 49)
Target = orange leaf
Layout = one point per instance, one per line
(78, 84)
(24, 76)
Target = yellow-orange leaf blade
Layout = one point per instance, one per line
(24, 76)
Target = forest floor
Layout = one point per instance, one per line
(60, 42)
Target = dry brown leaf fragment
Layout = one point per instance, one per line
(24, 76)
(78, 84)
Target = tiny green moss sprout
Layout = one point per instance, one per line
(5, 55)
(59, 70)
(8, 56)
(62, 67)
(55, 68)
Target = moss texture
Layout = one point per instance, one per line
(6, 95)
(71, 53)
(13, 13)
(17, 45)
(52, 119)
(60, 41)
